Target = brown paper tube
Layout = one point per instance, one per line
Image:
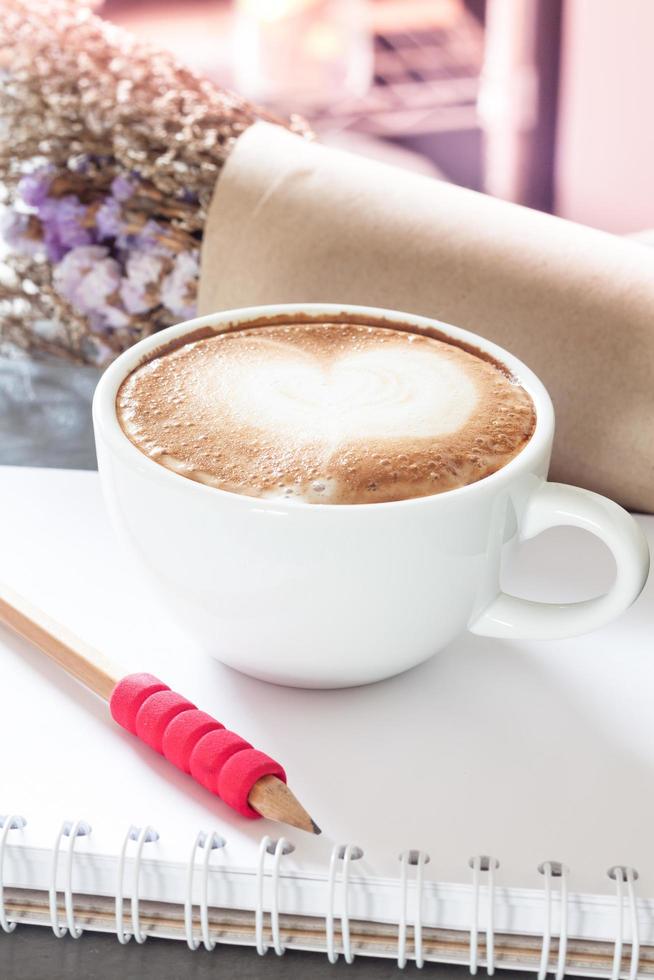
(293, 221)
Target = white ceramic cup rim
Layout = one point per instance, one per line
(108, 427)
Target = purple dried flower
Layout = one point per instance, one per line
(61, 218)
(55, 251)
(108, 219)
(122, 187)
(33, 188)
(178, 288)
(134, 297)
(88, 277)
(113, 316)
(143, 268)
(67, 214)
(105, 321)
(14, 231)
(13, 226)
(147, 239)
(143, 271)
(79, 163)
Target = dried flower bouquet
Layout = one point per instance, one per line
(108, 158)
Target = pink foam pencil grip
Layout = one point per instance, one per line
(221, 761)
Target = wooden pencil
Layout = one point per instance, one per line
(269, 796)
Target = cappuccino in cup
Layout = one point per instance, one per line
(326, 412)
(311, 539)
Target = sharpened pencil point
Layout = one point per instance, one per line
(273, 799)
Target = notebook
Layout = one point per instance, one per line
(492, 807)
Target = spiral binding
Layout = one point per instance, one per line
(550, 870)
(142, 836)
(72, 831)
(277, 849)
(419, 859)
(345, 853)
(489, 865)
(209, 843)
(341, 858)
(12, 822)
(621, 875)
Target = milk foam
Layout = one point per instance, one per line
(350, 396)
(329, 413)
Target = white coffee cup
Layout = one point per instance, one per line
(319, 595)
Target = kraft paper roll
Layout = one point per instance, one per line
(294, 221)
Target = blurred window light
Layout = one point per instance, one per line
(302, 52)
(267, 11)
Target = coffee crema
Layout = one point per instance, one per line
(329, 413)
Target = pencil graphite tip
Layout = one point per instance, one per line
(272, 798)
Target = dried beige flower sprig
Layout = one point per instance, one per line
(109, 154)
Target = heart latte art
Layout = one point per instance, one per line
(327, 413)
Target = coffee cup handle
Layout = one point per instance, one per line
(554, 505)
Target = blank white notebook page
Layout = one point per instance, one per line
(521, 750)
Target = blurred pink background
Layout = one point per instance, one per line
(605, 153)
(544, 102)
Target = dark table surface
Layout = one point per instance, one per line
(45, 420)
